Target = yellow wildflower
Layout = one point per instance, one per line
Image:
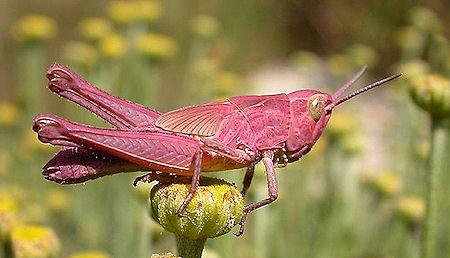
(113, 46)
(8, 215)
(226, 83)
(90, 254)
(80, 53)
(411, 209)
(4, 162)
(9, 114)
(385, 183)
(34, 28)
(156, 46)
(341, 125)
(57, 200)
(94, 28)
(205, 26)
(338, 64)
(305, 61)
(34, 242)
(31, 143)
(126, 12)
(361, 55)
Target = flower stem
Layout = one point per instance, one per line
(190, 248)
(436, 176)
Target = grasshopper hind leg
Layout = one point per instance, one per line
(195, 181)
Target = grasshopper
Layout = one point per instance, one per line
(178, 145)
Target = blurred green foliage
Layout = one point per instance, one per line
(359, 193)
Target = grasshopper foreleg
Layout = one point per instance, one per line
(238, 155)
(272, 187)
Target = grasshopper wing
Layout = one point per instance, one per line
(201, 120)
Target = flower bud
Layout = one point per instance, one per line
(216, 208)
(34, 242)
(432, 94)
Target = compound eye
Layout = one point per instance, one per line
(316, 106)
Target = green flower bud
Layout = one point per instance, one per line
(424, 19)
(34, 242)
(215, 209)
(432, 93)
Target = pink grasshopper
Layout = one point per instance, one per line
(235, 133)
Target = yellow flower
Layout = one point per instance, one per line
(411, 209)
(34, 28)
(8, 217)
(81, 53)
(113, 46)
(34, 242)
(305, 61)
(226, 83)
(205, 26)
(9, 114)
(94, 28)
(338, 64)
(341, 125)
(5, 160)
(31, 143)
(413, 68)
(58, 200)
(126, 12)
(410, 38)
(156, 46)
(90, 254)
(361, 55)
(386, 183)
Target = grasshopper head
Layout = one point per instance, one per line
(311, 111)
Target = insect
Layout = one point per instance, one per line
(234, 133)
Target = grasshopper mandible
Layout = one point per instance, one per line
(234, 133)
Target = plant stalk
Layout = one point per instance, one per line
(190, 248)
(435, 235)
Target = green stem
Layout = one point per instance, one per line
(435, 237)
(190, 248)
